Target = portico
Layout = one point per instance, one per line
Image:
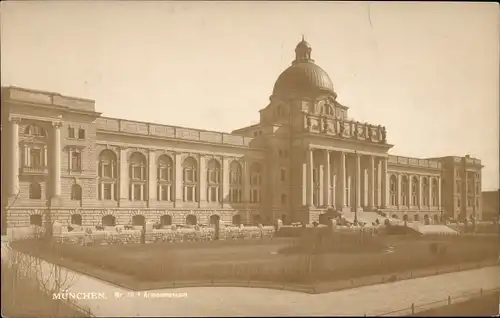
(346, 180)
(52, 160)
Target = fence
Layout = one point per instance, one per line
(413, 309)
(84, 310)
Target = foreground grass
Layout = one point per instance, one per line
(311, 258)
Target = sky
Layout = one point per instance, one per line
(429, 72)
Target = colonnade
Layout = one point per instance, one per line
(331, 176)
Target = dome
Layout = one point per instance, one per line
(303, 77)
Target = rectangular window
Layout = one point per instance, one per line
(137, 173)
(76, 161)
(283, 175)
(164, 193)
(163, 174)
(106, 170)
(137, 192)
(189, 194)
(107, 191)
(189, 175)
(213, 194)
(81, 133)
(71, 132)
(36, 158)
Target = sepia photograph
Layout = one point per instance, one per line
(249, 159)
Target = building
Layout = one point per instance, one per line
(491, 206)
(304, 160)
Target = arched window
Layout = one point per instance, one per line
(414, 191)
(191, 220)
(404, 190)
(138, 220)
(76, 192)
(76, 219)
(393, 189)
(138, 177)
(425, 191)
(36, 219)
(165, 220)
(190, 179)
(255, 182)
(108, 220)
(107, 175)
(235, 182)
(236, 219)
(213, 181)
(165, 179)
(434, 192)
(35, 191)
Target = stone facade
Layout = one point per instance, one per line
(64, 161)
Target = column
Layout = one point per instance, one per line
(430, 191)
(304, 181)
(342, 182)
(101, 191)
(398, 191)
(371, 183)
(358, 181)
(45, 161)
(465, 193)
(246, 182)
(321, 182)
(326, 182)
(124, 177)
(202, 173)
(25, 161)
(419, 192)
(410, 190)
(14, 152)
(152, 188)
(70, 154)
(178, 190)
(56, 159)
(385, 184)
(439, 194)
(225, 180)
(309, 182)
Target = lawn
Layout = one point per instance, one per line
(310, 258)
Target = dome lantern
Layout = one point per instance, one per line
(303, 52)
(303, 78)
